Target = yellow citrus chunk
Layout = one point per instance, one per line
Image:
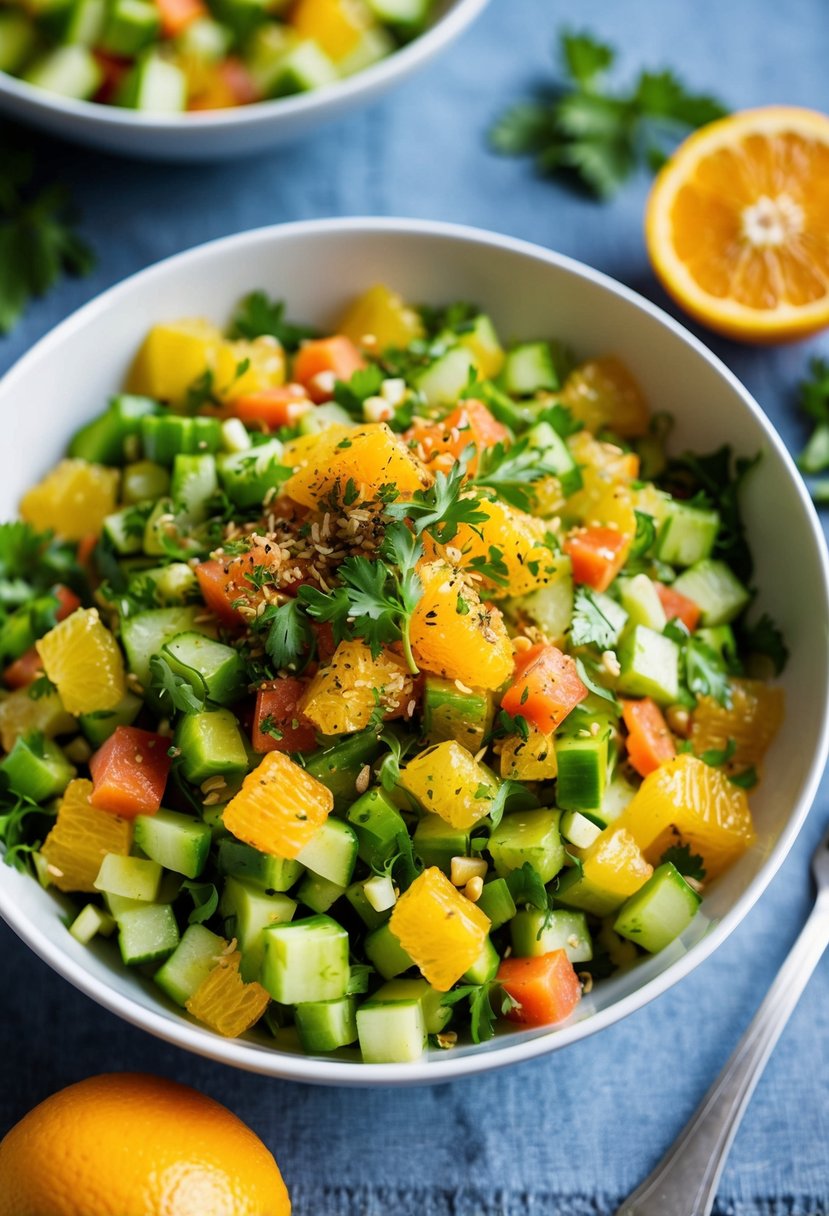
(440, 929)
(530, 759)
(73, 500)
(224, 1002)
(751, 721)
(447, 780)
(687, 801)
(737, 225)
(341, 697)
(172, 357)
(279, 808)
(358, 463)
(243, 367)
(81, 838)
(613, 868)
(382, 315)
(604, 395)
(335, 25)
(84, 662)
(454, 635)
(526, 563)
(20, 713)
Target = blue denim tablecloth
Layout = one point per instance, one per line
(572, 1134)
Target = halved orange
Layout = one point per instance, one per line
(737, 224)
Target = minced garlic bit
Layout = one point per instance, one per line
(212, 784)
(610, 663)
(586, 980)
(464, 868)
(446, 1039)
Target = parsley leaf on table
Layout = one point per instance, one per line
(258, 315)
(814, 402)
(581, 130)
(38, 242)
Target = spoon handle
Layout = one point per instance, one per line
(685, 1181)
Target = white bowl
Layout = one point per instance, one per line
(530, 292)
(214, 134)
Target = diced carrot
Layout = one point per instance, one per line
(275, 407)
(86, 548)
(233, 582)
(649, 741)
(337, 355)
(276, 710)
(545, 688)
(680, 606)
(441, 443)
(597, 554)
(25, 670)
(68, 602)
(213, 584)
(176, 15)
(545, 988)
(240, 84)
(129, 772)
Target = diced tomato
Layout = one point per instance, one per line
(129, 772)
(176, 15)
(23, 671)
(113, 71)
(649, 741)
(442, 443)
(680, 606)
(546, 988)
(68, 602)
(597, 554)
(274, 407)
(545, 688)
(337, 356)
(276, 707)
(324, 634)
(213, 584)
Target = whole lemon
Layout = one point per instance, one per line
(127, 1144)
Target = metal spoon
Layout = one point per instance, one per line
(686, 1179)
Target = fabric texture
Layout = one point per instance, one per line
(572, 1134)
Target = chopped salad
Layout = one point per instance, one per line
(380, 688)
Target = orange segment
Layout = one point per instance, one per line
(344, 693)
(752, 721)
(279, 807)
(80, 838)
(72, 500)
(225, 1003)
(604, 394)
(737, 225)
(439, 928)
(83, 661)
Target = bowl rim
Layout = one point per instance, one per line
(270, 1061)
(398, 64)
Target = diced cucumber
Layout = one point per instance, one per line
(443, 381)
(322, 416)
(659, 911)
(70, 71)
(577, 890)
(373, 44)
(617, 796)
(715, 590)
(551, 606)
(205, 40)
(356, 896)
(164, 435)
(318, 894)
(408, 17)
(115, 435)
(306, 961)
(496, 902)
(436, 842)
(36, 768)
(485, 967)
(641, 600)
(101, 723)
(17, 41)
(196, 955)
(177, 842)
(246, 477)
(578, 829)
(379, 827)
(211, 746)
(144, 634)
(86, 21)
(582, 769)
(302, 68)
(265, 49)
(143, 480)
(613, 612)
(391, 1032)
(131, 877)
(386, 954)
(529, 368)
(156, 86)
(193, 484)
(332, 852)
(131, 26)
(650, 665)
(380, 892)
(722, 641)
(436, 1014)
(125, 529)
(326, 1025)
(248, 911)
(546, 440)
(213, 670)
(147, 934)
(534, 933)
(91, 921)
(261, 869)
(531, 836)
(173, 585)
(687, 535)
(480, 337)
(338, 766)
(449, 713)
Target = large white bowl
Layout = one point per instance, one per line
(529, 292)
(214, 134)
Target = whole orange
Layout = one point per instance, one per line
(127, 1144)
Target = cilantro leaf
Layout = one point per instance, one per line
(813, 394)
(764, 638)
(714, 757)
(457, 317)
(689, 865)
(174, 692)
(492, 567)
(205, 900)
(442, 508)
(589, 674)
(364, 383)
(482, 1014)
(705, 671)
(527, 887)
(258, 315)
(289, 634)
(22, 825)
(511, 471)
(714, 480)
(511, 796)
(585, 58)
(590, 627)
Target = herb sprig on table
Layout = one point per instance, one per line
(813, 393)
(38, 239)
(581, 130)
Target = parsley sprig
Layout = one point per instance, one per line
(584, 132)
(813, 394)
(511, 471)
(258, 315)
(442, 508)
(590, 626)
